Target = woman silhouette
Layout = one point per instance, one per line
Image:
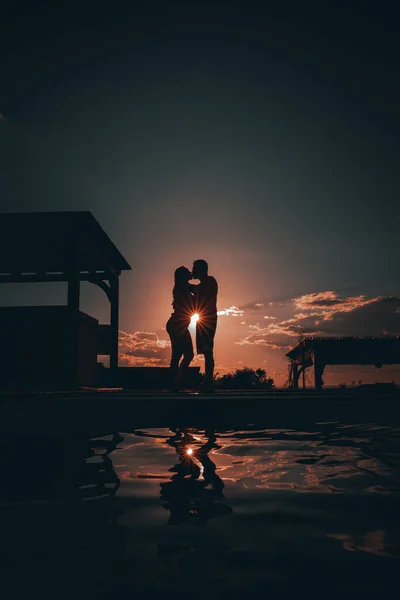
(178, 324)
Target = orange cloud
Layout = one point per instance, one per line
(326, 313)
(233, 311)
(263, 339)
(330, 302)
(143, 348)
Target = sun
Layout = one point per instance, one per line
(194, 319)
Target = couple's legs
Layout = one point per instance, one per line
(209, 368)
(178, 367)
(205, 333)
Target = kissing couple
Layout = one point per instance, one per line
(190, 299)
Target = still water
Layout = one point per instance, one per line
(203, 513)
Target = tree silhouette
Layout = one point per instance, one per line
(245, 379)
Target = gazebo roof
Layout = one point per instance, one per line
(54, 243)
(384, 349)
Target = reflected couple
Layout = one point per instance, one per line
(195, 492)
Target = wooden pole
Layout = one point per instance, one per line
(295, 372)
(73, 290)
(319, 367)
(114, 325)
(73, 322)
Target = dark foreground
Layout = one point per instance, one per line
(199, 509)
(93, 413)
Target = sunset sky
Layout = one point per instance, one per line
(264, 140)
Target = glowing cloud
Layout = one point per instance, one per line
(329, 302)
(233, 311)
(143, 348)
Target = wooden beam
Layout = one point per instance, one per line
(114, 325)
(104, 286)
(52, 277)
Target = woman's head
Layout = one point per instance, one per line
(182, 276)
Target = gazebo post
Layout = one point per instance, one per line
(295, 374)
(319, 367)
(73, 298)
(73, 288)
(114, 326)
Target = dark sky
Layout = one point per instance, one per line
(262, 138)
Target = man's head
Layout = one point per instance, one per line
(200, 269)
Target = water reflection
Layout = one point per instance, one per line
(59, 520)
(329, 458)
(144, 513)
(306, 508)
(195, 492)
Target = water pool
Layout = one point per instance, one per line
(205, 513)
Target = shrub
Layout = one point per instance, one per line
(245, 379)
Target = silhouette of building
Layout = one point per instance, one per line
(57, 346)
(322, 351)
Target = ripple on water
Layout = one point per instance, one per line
(245, 510)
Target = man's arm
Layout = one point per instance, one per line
(214, 286)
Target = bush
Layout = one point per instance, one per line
(245, 379)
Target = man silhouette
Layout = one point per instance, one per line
(206, 307)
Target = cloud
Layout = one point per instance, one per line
(258, 328)
(297, 325)
(380, 316)
(233, 311)
(277, 301)
(263, 340)
(270, 318)
(143, 348)
(262, 337)
(329, 302)
(326, 313)
(341, 316)
(137, 361)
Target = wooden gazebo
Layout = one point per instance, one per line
(322, 351)
(64, 247)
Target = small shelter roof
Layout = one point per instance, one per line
(365, 350)
(56, 242)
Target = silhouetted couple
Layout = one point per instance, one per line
(189, 300)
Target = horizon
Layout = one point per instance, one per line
(263, 140)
